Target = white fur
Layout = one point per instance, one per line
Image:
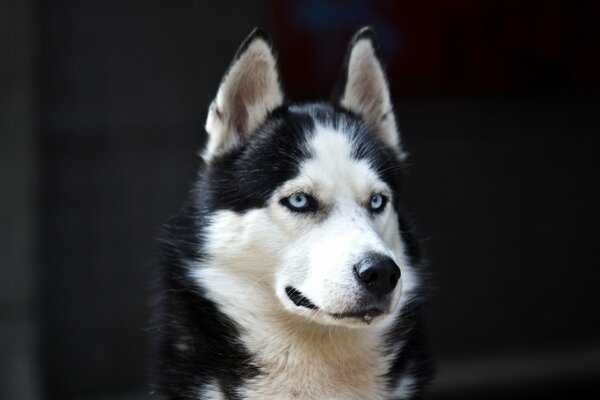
(405, 388)
(211, 391)
(253, 256)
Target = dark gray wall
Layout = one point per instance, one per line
(504, 192)
(17, 178)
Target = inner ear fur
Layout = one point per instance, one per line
(363, 88)
(249, 90)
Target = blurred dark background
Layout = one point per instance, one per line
(102, 109)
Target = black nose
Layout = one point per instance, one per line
(379, 275)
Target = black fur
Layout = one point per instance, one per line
(414, 359)
(245, 177)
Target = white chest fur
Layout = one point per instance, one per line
(331, 363)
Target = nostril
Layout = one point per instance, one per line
(370, 276)
(394, 278)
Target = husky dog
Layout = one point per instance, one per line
(290, 273)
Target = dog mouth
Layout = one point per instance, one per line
(364, 315)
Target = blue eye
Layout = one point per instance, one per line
(299, 202)
(378, 202)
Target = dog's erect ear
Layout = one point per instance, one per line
(249, 90)
(362, 88)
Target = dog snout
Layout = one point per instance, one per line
(377, 274)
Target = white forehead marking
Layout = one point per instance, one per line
(332, 170)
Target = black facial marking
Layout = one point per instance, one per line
(381, 158)
(298, 298)
(246, 177)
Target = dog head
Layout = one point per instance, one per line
(303, 199)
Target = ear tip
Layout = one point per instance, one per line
(256, 34)
(365, 33)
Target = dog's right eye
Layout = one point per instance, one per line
(300, 202)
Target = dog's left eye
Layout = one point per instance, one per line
(299, 202)
(378, 202)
